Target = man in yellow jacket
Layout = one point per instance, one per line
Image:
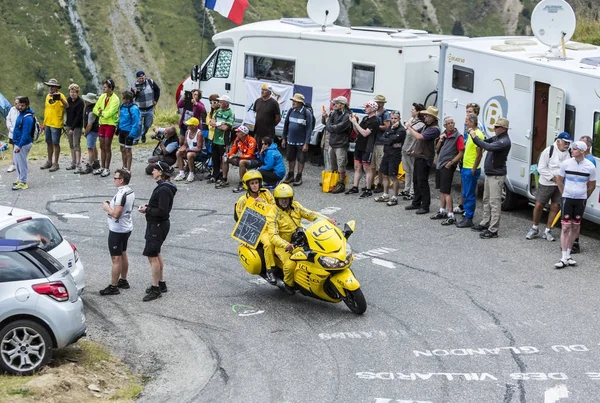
(282, 222)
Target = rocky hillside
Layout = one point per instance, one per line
(86, 41)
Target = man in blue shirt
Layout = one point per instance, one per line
(296, 137)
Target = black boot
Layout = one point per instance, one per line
(287, 289)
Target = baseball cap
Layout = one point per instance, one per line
(267, 87)
(140, 73)
(565, 137)
(580, 145)
(242, 129)
(372, 104)
(192, 122)
(224, 98)
(164, 168)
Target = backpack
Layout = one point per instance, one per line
(35, 129)
(312, 113)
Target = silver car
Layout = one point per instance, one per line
(27, 225)
(40, 309)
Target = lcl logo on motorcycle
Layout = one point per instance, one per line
(321, 230)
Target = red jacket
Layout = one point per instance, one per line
(247, 147)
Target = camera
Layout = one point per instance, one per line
(159, 134)
(56, 97)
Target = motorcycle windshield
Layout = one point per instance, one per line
(325, 238)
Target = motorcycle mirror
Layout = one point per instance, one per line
(349, 228)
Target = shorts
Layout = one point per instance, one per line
(572, 209)
(443, 179)
(363, 157)
(389, 164)
(377, 155)
(295, 153)
(117, 242)
(52, 135)
(107, 131)
(91, 139)
(338, 158)
(252, 164)
(156, 233)
(545, 194)
(124, 139)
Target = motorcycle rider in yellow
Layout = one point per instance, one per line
(282, 221)
(252, 182)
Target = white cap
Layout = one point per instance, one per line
(224, 98)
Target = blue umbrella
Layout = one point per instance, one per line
(4, 106)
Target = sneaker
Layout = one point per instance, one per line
(439, 215)
(422, 211)
(378, 189)
(449, 221)
(105, 172)
(479, 228)
(238, 189)
(561, 264)
(190, 177)
(571, 262)
(409, 197)
(180, 177)
(366, 193)
(71, 167)
(298, 180)
(339, 188)
(162, 285)
(152, 294)
(459, 209)
(393, 201)
(465, 223)
(20, 186)
(382, 198)
(487, 234)
(403, 193)
(532, 233)
(221, 185)
(270, 277)
(47, 165)
(78, 170)
(54, 168)
(575, 248)
(110, 290)
(124, 284)
(211, 179)
(548, 236)
(97, 171)
(11, 168)
(289, 178)
(352, 190)
(86, 170)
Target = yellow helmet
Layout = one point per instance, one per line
(283, 191)
(251, 175)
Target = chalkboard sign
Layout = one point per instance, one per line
(251, 224)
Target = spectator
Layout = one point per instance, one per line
(296, 137)
(576, 248)
(450, 149)
(576, 182)
(129, 128)
(548, 168)
(423, 153)
(157, 213)
(243, 154)
(384, 124)
(267, 112)
(90, 122)
(272, 166)
(11, 119)
(393, 140)
(222, 122)
(363, 150)
(107, 110)
(191, 147)
(469, 174)
(74, 126)
(408, 161)
(146, 95)
(166, 150)
(497, 148)
(120, 225)
(196, 110)
(339, 127)
(54, 115)
(22, 140)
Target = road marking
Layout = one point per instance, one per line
(384, 263)
(329, 210)
(259, 281)
(245, 310)
(373, 253)
(68, 215)
(556, 393)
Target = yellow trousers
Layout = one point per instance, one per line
(268, 249)
(289, 266)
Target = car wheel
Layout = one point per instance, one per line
(508, 199)
(25, 347)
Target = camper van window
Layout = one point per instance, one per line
(570, 119)
(463, 78)
(363, 77)
(596, 136)
(269, 68)
(218, 66)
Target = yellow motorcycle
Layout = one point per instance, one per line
(323, 259)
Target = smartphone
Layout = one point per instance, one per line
(187, 96)
(56, 97)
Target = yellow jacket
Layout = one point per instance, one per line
(246, 200)
(281, 224)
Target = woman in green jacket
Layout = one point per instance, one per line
(107, 110)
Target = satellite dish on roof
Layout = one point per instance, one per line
(323, 12)
(553, 22)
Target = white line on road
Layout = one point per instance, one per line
(68, 215)
(383, 263)
(556, 393)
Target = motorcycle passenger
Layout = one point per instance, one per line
(252, 182)
(282, 222)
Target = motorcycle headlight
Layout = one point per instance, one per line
(331, 262)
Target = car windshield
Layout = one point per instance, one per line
(15, 267)
(37, 229)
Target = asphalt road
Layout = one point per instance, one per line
(450, 318)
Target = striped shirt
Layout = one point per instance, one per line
(576, 176)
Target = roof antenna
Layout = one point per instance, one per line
(13, 206)
(323, 12)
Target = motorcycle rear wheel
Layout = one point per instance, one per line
(355, 301)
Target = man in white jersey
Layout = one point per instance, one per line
(120, 226)
(576, 182)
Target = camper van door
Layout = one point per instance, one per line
(556, 114)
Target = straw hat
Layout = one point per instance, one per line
(432, 111)
(502, 122)
(298, 98)
(53, 82)
(380, 98)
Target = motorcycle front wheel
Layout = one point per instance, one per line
(355, 301)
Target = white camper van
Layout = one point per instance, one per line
(542, 94)
(296, 52)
